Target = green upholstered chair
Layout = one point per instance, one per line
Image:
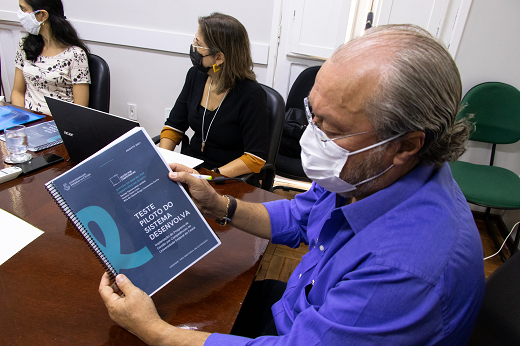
(496, 114)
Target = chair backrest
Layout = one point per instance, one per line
(100, 83)
(276, 106)
(496, 112)
(291, 167)
(498, 320)
(301, 87)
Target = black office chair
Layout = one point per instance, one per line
(498, 320)
(100, 83)
(275, 105)
(287, 166)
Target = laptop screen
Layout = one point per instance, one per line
(84, 130)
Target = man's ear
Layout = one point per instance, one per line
(408, 147)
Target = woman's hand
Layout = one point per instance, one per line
(234, 168)
(209, 202)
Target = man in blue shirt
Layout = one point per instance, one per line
(395, 257)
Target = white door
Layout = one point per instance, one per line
(306, 32)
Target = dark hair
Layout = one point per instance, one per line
(62, 30)
(223, 33)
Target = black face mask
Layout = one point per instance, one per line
(196, 60)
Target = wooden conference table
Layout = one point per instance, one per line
(49, 290)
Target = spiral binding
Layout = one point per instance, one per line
(47, 145)
(81, 229)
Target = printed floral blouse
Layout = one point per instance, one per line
(52, 76)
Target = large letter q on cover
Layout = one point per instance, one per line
(112, 250)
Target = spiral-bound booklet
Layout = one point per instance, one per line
(41, 136)
(135, 219)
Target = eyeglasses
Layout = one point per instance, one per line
(195, 44)
(318, 133)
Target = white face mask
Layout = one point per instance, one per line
(29, 22)
(324, 165)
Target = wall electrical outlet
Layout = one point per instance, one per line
(132, 111)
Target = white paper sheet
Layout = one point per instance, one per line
(174, 157)
(15, 234)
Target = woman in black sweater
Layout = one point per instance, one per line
(221, 102)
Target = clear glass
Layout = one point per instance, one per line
(16, 143)
(318, 133)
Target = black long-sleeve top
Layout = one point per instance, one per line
(240, 126)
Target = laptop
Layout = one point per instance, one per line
(84, 130)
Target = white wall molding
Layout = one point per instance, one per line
(458, 28)
(138, 37)
(274, 42)
(9, 16)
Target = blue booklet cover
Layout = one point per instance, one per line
(10, 116)
(138, 221)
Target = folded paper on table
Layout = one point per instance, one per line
(15, 234)
(174, 157)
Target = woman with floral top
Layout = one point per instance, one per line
(51, 60)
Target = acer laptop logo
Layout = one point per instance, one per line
(68, 133)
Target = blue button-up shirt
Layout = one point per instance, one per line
(400, 267)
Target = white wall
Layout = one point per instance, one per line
(146, 45)
(489, 51)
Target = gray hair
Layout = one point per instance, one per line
(420, 90)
